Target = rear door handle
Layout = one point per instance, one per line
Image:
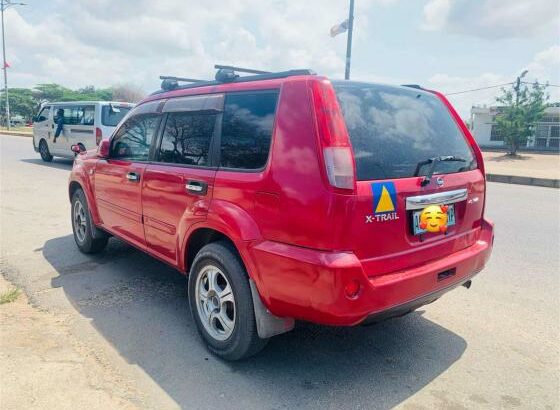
(196, 187)
(133, 177)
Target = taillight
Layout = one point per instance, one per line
(98, 135)
(333, 137)
(340, 167)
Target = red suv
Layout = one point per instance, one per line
(286, 196)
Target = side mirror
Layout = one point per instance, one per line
(77, 148)
(103, 149)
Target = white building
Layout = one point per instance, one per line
(547, 130)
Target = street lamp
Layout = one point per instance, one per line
(5, 4)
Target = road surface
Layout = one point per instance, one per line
(493, 346)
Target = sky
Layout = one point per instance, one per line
(448, 45)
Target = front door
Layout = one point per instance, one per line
(42, 125)
(178, 186)
(119, 179)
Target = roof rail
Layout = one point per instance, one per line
(227, 74)
(418, 87)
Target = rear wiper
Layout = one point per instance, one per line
(434, 161)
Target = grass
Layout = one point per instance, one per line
(9, 296)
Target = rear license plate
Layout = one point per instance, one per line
(416, 219)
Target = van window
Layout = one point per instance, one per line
(43, 115)
(133, 139)
(247, 129)
(111, 115)
(186, 138)
(394, 129)
(88, 115)
(71, 115)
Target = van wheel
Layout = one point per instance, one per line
(44, 151)
(83, 226)
(221, 303)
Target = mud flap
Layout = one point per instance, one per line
(268, 325)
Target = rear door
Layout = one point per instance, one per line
(396, 134)
(118, 179)
(179, 183)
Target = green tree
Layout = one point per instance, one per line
(21, 103)
(521, 107)
(26, 102)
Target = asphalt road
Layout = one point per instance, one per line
(493, 346)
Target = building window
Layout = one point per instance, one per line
(496, 134)
(550, 118)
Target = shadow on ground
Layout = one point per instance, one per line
(508, 158)
(60, 163)
(139, 305)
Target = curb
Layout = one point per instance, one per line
(514, 179)
(17, 133)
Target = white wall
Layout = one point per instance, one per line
(482, 126)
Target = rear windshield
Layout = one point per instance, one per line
(112, 114)
(393, 130)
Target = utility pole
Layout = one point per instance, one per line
(349, 40)
(4, 5)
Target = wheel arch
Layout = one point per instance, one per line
(200, 237)
(77, 181)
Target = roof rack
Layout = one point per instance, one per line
(228, 74)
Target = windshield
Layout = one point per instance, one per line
(111, 115)
(393, 130)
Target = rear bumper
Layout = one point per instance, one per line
(309, 285)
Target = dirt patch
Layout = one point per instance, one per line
(44, 366)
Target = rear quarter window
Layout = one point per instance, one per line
(112, 115)
(247, 127)
(393, 129)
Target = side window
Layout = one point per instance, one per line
(43, 115)
(88, 114)
(133, 139)
(247, 129)
(71, 115)
(186, 138)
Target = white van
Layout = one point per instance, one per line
(86, 123)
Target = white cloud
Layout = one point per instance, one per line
(107, 42)
(545, 67)
(493, 18)
(435, 14)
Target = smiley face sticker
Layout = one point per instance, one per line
(434, 218)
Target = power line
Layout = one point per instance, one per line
(479, 89)
(495, 86)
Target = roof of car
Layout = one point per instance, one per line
(121, 103)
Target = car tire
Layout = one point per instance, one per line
(82, 226)
(44, 151)
(226, 321)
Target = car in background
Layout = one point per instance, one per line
(86, 123)
(287, 196)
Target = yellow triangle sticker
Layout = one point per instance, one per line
(385, 203)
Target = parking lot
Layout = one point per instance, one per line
(492, 346)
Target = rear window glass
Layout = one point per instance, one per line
(112, 115)
(393, 130)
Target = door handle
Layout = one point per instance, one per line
(196, 187)
(133, 177)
